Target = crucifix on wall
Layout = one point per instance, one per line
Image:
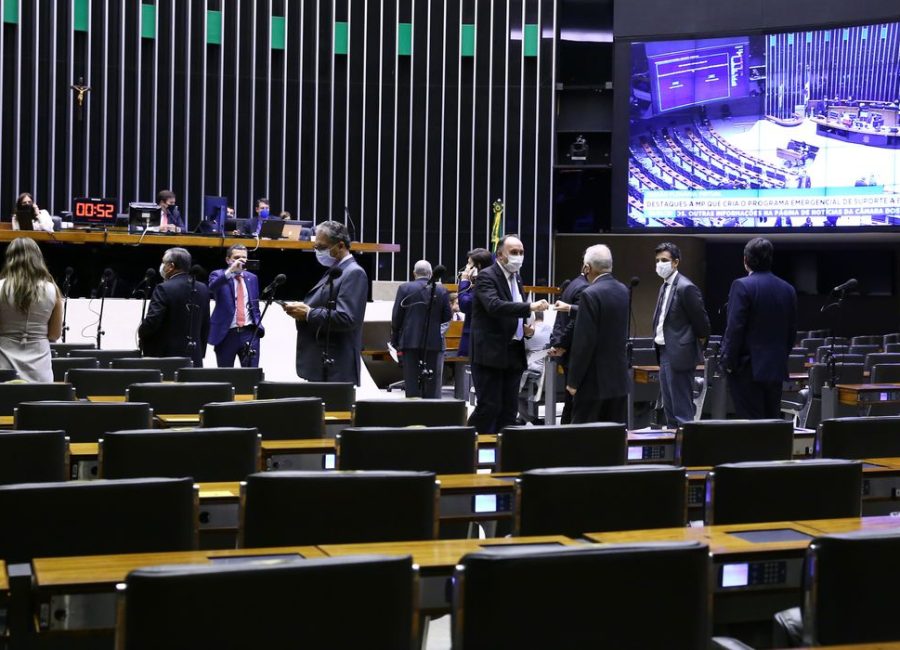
(81, 91)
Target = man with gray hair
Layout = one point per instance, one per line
(412, 324)
(598, 370)
(330, 317)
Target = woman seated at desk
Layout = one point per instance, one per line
(41, 219)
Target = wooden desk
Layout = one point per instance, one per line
(856, 395)
(244, 397)
(437, 560)
(79, 593)
(189, 419)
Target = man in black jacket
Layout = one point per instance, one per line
(564, 328)
(499, 327)
(408, 325)
(598, 369)
(177, 321)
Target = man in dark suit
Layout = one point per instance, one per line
(260, 213)
(680, 330)
(564, 328)
(177, 321)
(231, 329)
(598, 369)
(170, 216)
(346, 286)
(408, 323)
(759, 335)
(497, 343)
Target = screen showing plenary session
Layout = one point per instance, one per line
(786, 130)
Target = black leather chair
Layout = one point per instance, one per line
(567, 445)
(744, 493)
(83, 421)
(892, 347)
(354, 602)
(644, 356)
(206, 455)
(885, 373)
(64, 349)
(108, 381)
(166, 365)
(105, 357)
(865, 349)
(714, 442)
(578, 500)
(169, 398)
(880, 358)
(848, 597)
(869, 339)
(338, 396)
(61, 365)
(860, 437)
(407, 413)
(812, 344)
(823, 351)
(442, 450)
(797, 363)
(810, 408)
(276, 419)
(244, 380)
(888, 339)
(11, 395)
(647, 596)
(302, 508)
(33, 456)
(8, 374)
(97, 518)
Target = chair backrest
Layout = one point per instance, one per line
(860, 437)
(166, 365)
(97, 518)
(847, 373)
(744, 493)
(892, 347)
(865, 349)
(890, 338)
(405, 413)
(823, 351)
(244, 380)
(644, 357)
(83, 421)
(300, 508)
(879, 358)
(61, 365)
(870, 339)
(797, 363)
(819, 333)
(713, 442)
(64, 349)
(11, 395)
(838, 340)
(593, 589)
(573, 501)
(844, 600)
(642, 341)
(844, 359)
(566, 445)
(205, 455)
(442, 450)
(812, 344)
(274, 606)
(107, 381)
(885, 373)
(33, 456)
(169, 398)
(104, 356)
(276, 419)
(338, 396)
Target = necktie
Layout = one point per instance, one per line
(659, 304)
(514, 290)
(164, 219)
(241, 302)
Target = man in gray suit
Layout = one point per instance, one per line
(346, 287)
(680, 329)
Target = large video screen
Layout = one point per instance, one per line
(786, 130)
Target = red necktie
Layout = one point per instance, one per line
(241, 302)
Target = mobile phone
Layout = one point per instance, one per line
(251, 265)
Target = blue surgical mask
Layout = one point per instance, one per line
(264, 213)
(324, 257)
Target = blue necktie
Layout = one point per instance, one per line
(514, 290)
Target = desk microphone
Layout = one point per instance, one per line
(280, 279)
(849, 285)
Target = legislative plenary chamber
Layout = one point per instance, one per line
(475, 324)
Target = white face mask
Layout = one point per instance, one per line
(162, 270)
(514, 263)
(664, 269)
(324, 258)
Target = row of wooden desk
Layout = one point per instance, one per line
(757, 568)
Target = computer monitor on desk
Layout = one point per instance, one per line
(215, 209)
(143, 216)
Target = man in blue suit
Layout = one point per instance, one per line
(762, 323)
(260, 214)
(231, 329)
(346, 286)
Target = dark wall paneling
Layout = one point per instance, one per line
(397, 126)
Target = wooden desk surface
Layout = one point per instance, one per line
(73, 236)
(442, 553)
(4, 578)
(853, 524)
(121, 398)
(176, 419)
(97, 570)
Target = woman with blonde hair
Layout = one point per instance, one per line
(30, 312)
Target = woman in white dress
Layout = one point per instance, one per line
(30, 312)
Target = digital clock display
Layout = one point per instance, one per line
(91, 211)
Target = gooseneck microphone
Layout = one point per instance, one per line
(849, 285)
(280, 279)
(437, 274)
(635, 281)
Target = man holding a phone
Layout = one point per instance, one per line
(236, 316)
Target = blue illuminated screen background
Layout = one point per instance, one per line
(788, 130)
